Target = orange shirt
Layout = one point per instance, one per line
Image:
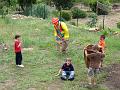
(102, 44)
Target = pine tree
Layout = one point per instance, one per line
(65, 4)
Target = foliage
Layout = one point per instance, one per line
(105, 32)
(99, 11)
(115, 1)
(77, 13)
(93, 4)
(93, 20)
(26, 5)
(43, 62)
(118, 25)
(4, 4)
(92, 15)
(55, 13)
(64, 4)
(66, 15)
(40, 10)
(48, 2)
(86, 2)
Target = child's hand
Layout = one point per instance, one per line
(57, 75)
(19, 45)
(59, 42)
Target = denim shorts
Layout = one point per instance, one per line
(92, 72)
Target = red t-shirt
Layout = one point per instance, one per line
(17, 46)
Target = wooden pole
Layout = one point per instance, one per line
(44, 13)
(97, 8)
(31, 7)
(77, 18)
(103, 22)
(60, 12)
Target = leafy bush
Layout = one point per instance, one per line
(77, 13)
(4, 11)
(40, 10)
(105, 32)
(7, 20)
(118, 25)
(92, 15)
(64, 4)
(66, 15)
(28, 42)
(55, 13)
(93, 6)
(1, 12)
(93, 20)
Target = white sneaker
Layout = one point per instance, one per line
(90, 83)
(21, 66)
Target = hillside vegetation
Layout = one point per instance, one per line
(42, 63)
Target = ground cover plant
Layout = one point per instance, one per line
(42, 63)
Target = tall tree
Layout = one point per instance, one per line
(65, 4)
(115, 1)
(26, 3)
(3, 3)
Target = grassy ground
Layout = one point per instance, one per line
(43, 62)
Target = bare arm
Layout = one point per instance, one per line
(59, 72)
(59, 42)
(19, 45)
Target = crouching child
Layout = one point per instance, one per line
(67, 70)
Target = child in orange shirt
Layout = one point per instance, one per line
(102, 43)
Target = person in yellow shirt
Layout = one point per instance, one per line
(61, 33)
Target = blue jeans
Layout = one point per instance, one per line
(67, 74)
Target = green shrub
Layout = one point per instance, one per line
(93, 20)
(66, 15)
(55, 13)
(100, 11)
(40, 11)
(77, 13)
(92, 15)
(4, 11)
(118, 25)
(1, 40)
(28, 42)
(105, 32)
(64, 4)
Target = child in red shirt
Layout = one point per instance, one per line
(17, 48)
(102, 43)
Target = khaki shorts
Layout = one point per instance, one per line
(65, 45)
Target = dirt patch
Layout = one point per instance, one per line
(31, 89)
(111, 20)
(113, 80)
(55, 85)
(7, 85)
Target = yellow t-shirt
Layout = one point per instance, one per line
(65, 31)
